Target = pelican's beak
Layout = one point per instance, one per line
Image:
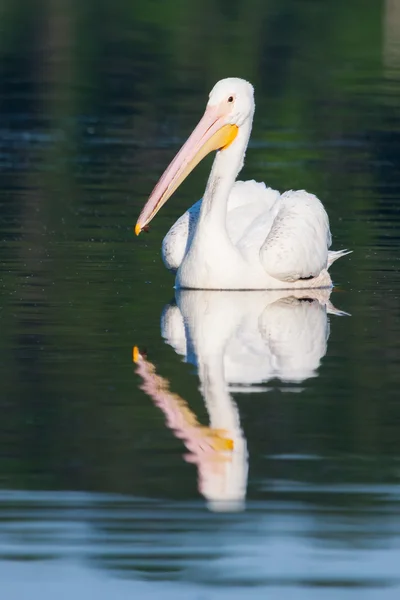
(212, 133)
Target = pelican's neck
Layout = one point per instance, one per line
(226, 166)
(212, 260)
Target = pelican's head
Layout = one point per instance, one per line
(230, 106)
(236, 97)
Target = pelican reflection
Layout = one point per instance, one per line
(238, 341)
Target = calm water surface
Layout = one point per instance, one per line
(200, 445)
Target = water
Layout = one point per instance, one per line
(266, 458)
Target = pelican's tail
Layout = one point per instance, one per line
(335, 254)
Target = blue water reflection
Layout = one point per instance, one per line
(274, 545)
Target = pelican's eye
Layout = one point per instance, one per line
(230, 99)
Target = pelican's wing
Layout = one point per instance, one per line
(296, 245)
(247, 202)
(176, 241)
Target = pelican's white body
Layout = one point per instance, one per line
(272, 240)
(242, 235)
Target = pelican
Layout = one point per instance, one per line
(241, 235)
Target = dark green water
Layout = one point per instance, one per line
(108, 489)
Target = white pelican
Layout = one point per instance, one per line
(241, 235)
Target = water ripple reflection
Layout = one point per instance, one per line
(274, 543)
